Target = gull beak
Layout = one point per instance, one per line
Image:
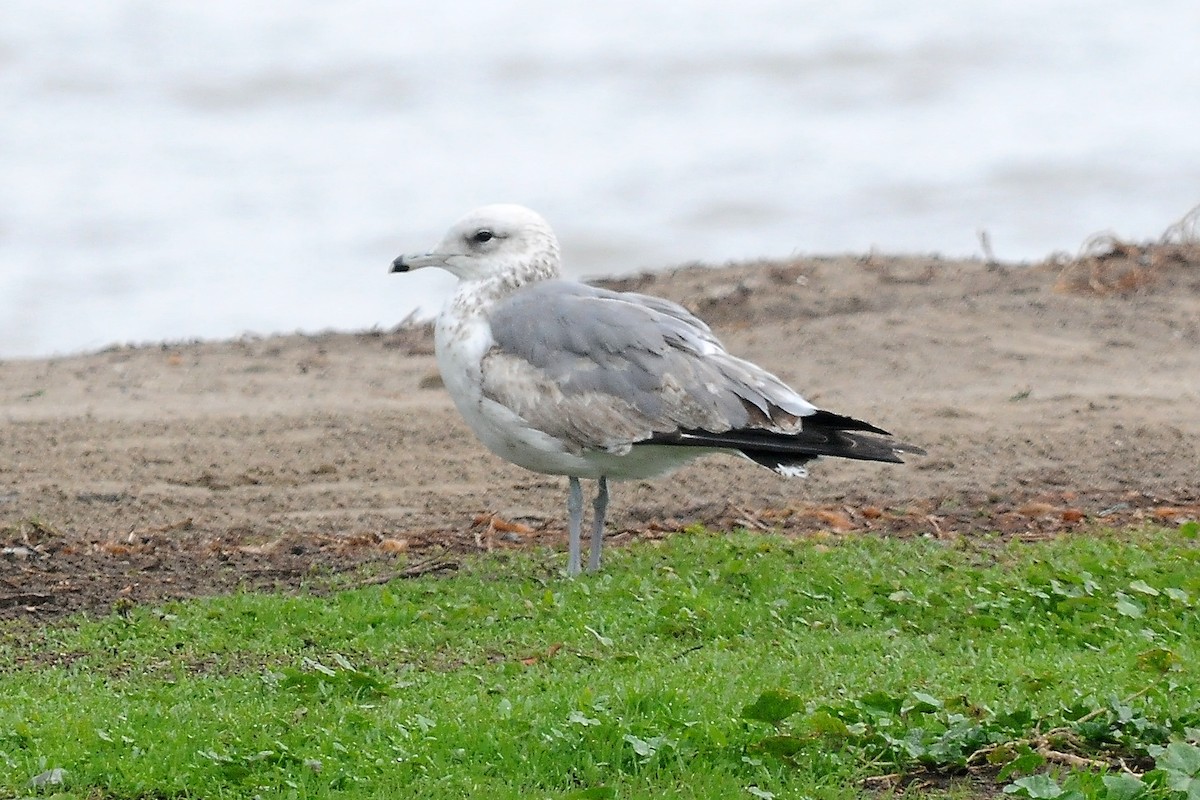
(410, 261)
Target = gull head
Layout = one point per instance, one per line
(505, 242)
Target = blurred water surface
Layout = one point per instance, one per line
(204, 169)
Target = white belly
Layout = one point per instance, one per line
(460, 343)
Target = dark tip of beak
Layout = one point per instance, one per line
(398, 265)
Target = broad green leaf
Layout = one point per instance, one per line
(648, 747)
(823, 723)
(1124, 786)
(1025, 760)
(579, 718)
(773, 705)
(1178, 782)
(1018, 718)
(1128, 607)
(1180, 759)
(781, 746)
(1035, 787)
(640, 746)
(882, 701)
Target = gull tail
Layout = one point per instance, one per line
(823, 433)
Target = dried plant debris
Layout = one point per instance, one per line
(412, 336)
(1109, 265)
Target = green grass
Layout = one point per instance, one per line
(706, 666)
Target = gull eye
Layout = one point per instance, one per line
(482, 236)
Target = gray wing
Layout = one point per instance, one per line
(671, 309)
(602, 369)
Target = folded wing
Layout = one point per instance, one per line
(605, 370)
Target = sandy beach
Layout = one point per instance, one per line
(1052, 398)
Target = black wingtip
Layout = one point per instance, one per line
(822, 433)
(904, 448)
(839, 422)
(824, 420)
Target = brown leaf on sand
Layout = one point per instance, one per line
(497, 523)
(394, 545)
(835, 520)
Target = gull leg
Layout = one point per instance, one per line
(574, 523)
(600, 507)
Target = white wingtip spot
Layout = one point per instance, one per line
(792, 471)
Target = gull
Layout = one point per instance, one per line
(563, 378)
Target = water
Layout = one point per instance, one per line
(204, 169)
